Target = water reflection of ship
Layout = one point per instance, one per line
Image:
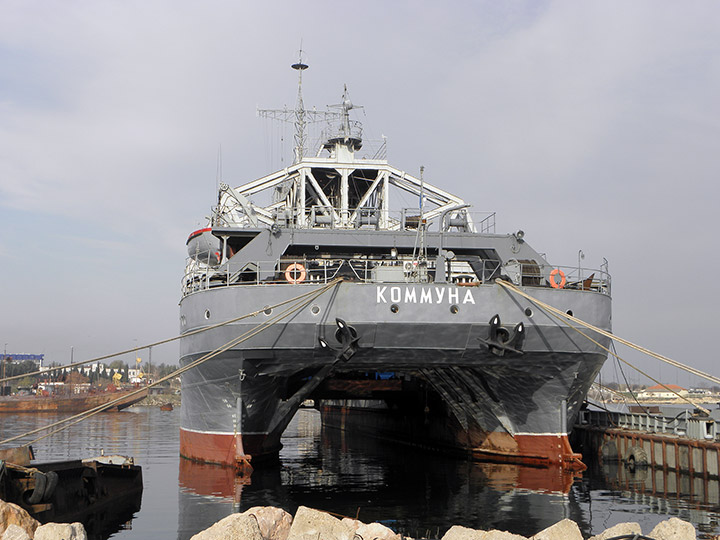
(211, 480)
(346, 474)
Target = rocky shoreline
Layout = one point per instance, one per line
(17, 524)
(270, 523)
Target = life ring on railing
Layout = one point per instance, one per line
(295, 273)
(554, 284)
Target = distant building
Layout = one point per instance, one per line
(135, 376)
(700, 392)
(659, 391)
(92, 368)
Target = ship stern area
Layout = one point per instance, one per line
(515, 408)
(506, 389)
(511, 411)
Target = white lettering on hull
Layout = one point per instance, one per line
(449, 295)
(395, 295)
(381, 295)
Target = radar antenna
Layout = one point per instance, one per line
(300, 116)
(299, 66)
(350, 132)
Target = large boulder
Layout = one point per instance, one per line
(566, 529)
(620, 529)
(61, 531)
(309, 524)
(372, 531)
(243, 526)
(12, 514)
(458, 532)
(274, 522)
(502, 535)
(15, 532)
(673, 529)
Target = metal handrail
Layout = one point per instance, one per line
(684, 424)
(199, 276)
(322, 216)
(321, 271)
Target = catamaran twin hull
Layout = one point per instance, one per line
(442, 365)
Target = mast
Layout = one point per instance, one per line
(422, 256)
(300, 117)
(299, 66)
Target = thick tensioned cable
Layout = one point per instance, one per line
(559, 314)
(301, 301)
(607, 388)
(155, 344)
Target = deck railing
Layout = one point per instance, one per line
(686, 424)
(530, 273)
(384, 270)
(328, 217)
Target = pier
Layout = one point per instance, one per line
(687, 443)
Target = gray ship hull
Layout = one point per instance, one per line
(452, 390)
(418, 325)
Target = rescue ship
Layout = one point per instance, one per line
(403, 331)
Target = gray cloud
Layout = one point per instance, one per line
(591, 126)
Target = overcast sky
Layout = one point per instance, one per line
(592, 126)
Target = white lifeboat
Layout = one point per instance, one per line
(203, 247)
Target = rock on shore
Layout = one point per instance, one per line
(269, 523)
(17, 524)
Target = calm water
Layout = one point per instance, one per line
(418, 494)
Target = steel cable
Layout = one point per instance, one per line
(560, 315)
(302, 301)
(156, 343)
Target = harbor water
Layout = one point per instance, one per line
(411, 491)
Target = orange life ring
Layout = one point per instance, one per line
(554, 284)
(295, 273)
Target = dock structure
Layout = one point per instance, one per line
(687, 443)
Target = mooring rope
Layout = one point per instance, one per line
(301, 301)
(567, 318)
(625, 399)
(627, 383)
(603, 387)
(156, 343)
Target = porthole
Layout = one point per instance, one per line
(315, 309)
(207, 313)
(569, 312)
(267, 310)
(454, 309)
(394, 308)
(528, 312)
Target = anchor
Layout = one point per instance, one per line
(501, 341)
(348, 339)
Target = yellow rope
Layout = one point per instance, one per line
(162, 342)
(302, 301)
(562, 315)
